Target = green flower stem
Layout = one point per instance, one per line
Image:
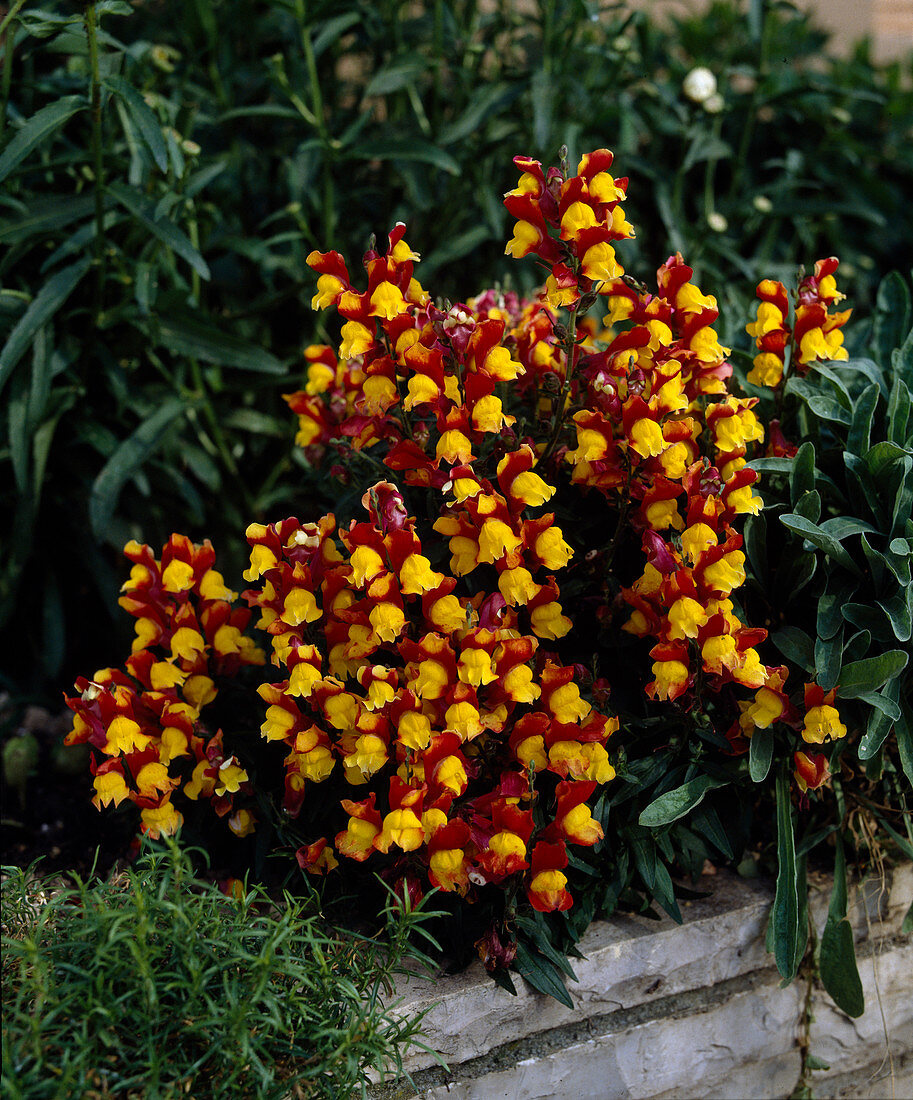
(329, 195)
(193, 230)
(751, 115)
(218, 436)
(570, 345)
(710, 169)
(91, 24)
(7, 61)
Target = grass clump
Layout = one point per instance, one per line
(157, 984)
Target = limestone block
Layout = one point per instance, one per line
(744, 1046)
(886, 1025)
(630, 961)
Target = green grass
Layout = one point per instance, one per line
(156, 984)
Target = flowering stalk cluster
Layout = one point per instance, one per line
(814, 335)
(416, 680)
(434, 702)
(144, 723)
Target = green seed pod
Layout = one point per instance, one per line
(20, 758)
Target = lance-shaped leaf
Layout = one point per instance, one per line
(839, 972)
(674, 804)
(784, 916)
(127, 460)
(40, 126)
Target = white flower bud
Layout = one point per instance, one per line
(717, 222)
(699, 85)
(713, 104)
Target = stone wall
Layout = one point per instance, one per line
(665, 1010)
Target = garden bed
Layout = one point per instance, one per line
(678, 1010)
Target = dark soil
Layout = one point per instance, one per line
(47, 799)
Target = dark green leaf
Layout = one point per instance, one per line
(796, 646)
(705, 148)
(828, 409)
(867, 367)
(813, 839)
(903, 501)
(841, 527)
(400, 73)
(903, 731)
(706, 821)
(166, 231)
(264, 110)
(784, 914)
(809, 506)
(333, 29)
(802, 896)
(886, 703)
(822, 405)
(760, 754)
(250, 420)
(200, 341)
(46, 216)
(861, 428)
(899, 405)
(538, 932)
(828, 659)
(541, 974)
(857, 647)
(461, 245)
(880, 458)
(839, 973)
(503, 979)
(902, 361)
(674, 804)
(830, 611)
(406, 149)
(143, 118)
(859, 677)
(874, 737)
(34, 131)
(486, 100)
(802, 475)
(53, 627)
(898, 610)
(899, 559)
(892, 316)
(813, 533)
(795, 573)
(664, 892)
(127, 460)
(772, 465)
(42, 308)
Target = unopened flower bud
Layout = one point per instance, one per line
(699, 85)
(713, 104)
(717, 222)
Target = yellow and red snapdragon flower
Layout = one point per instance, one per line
(813, 336)
(433, 701)
(144, 725)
